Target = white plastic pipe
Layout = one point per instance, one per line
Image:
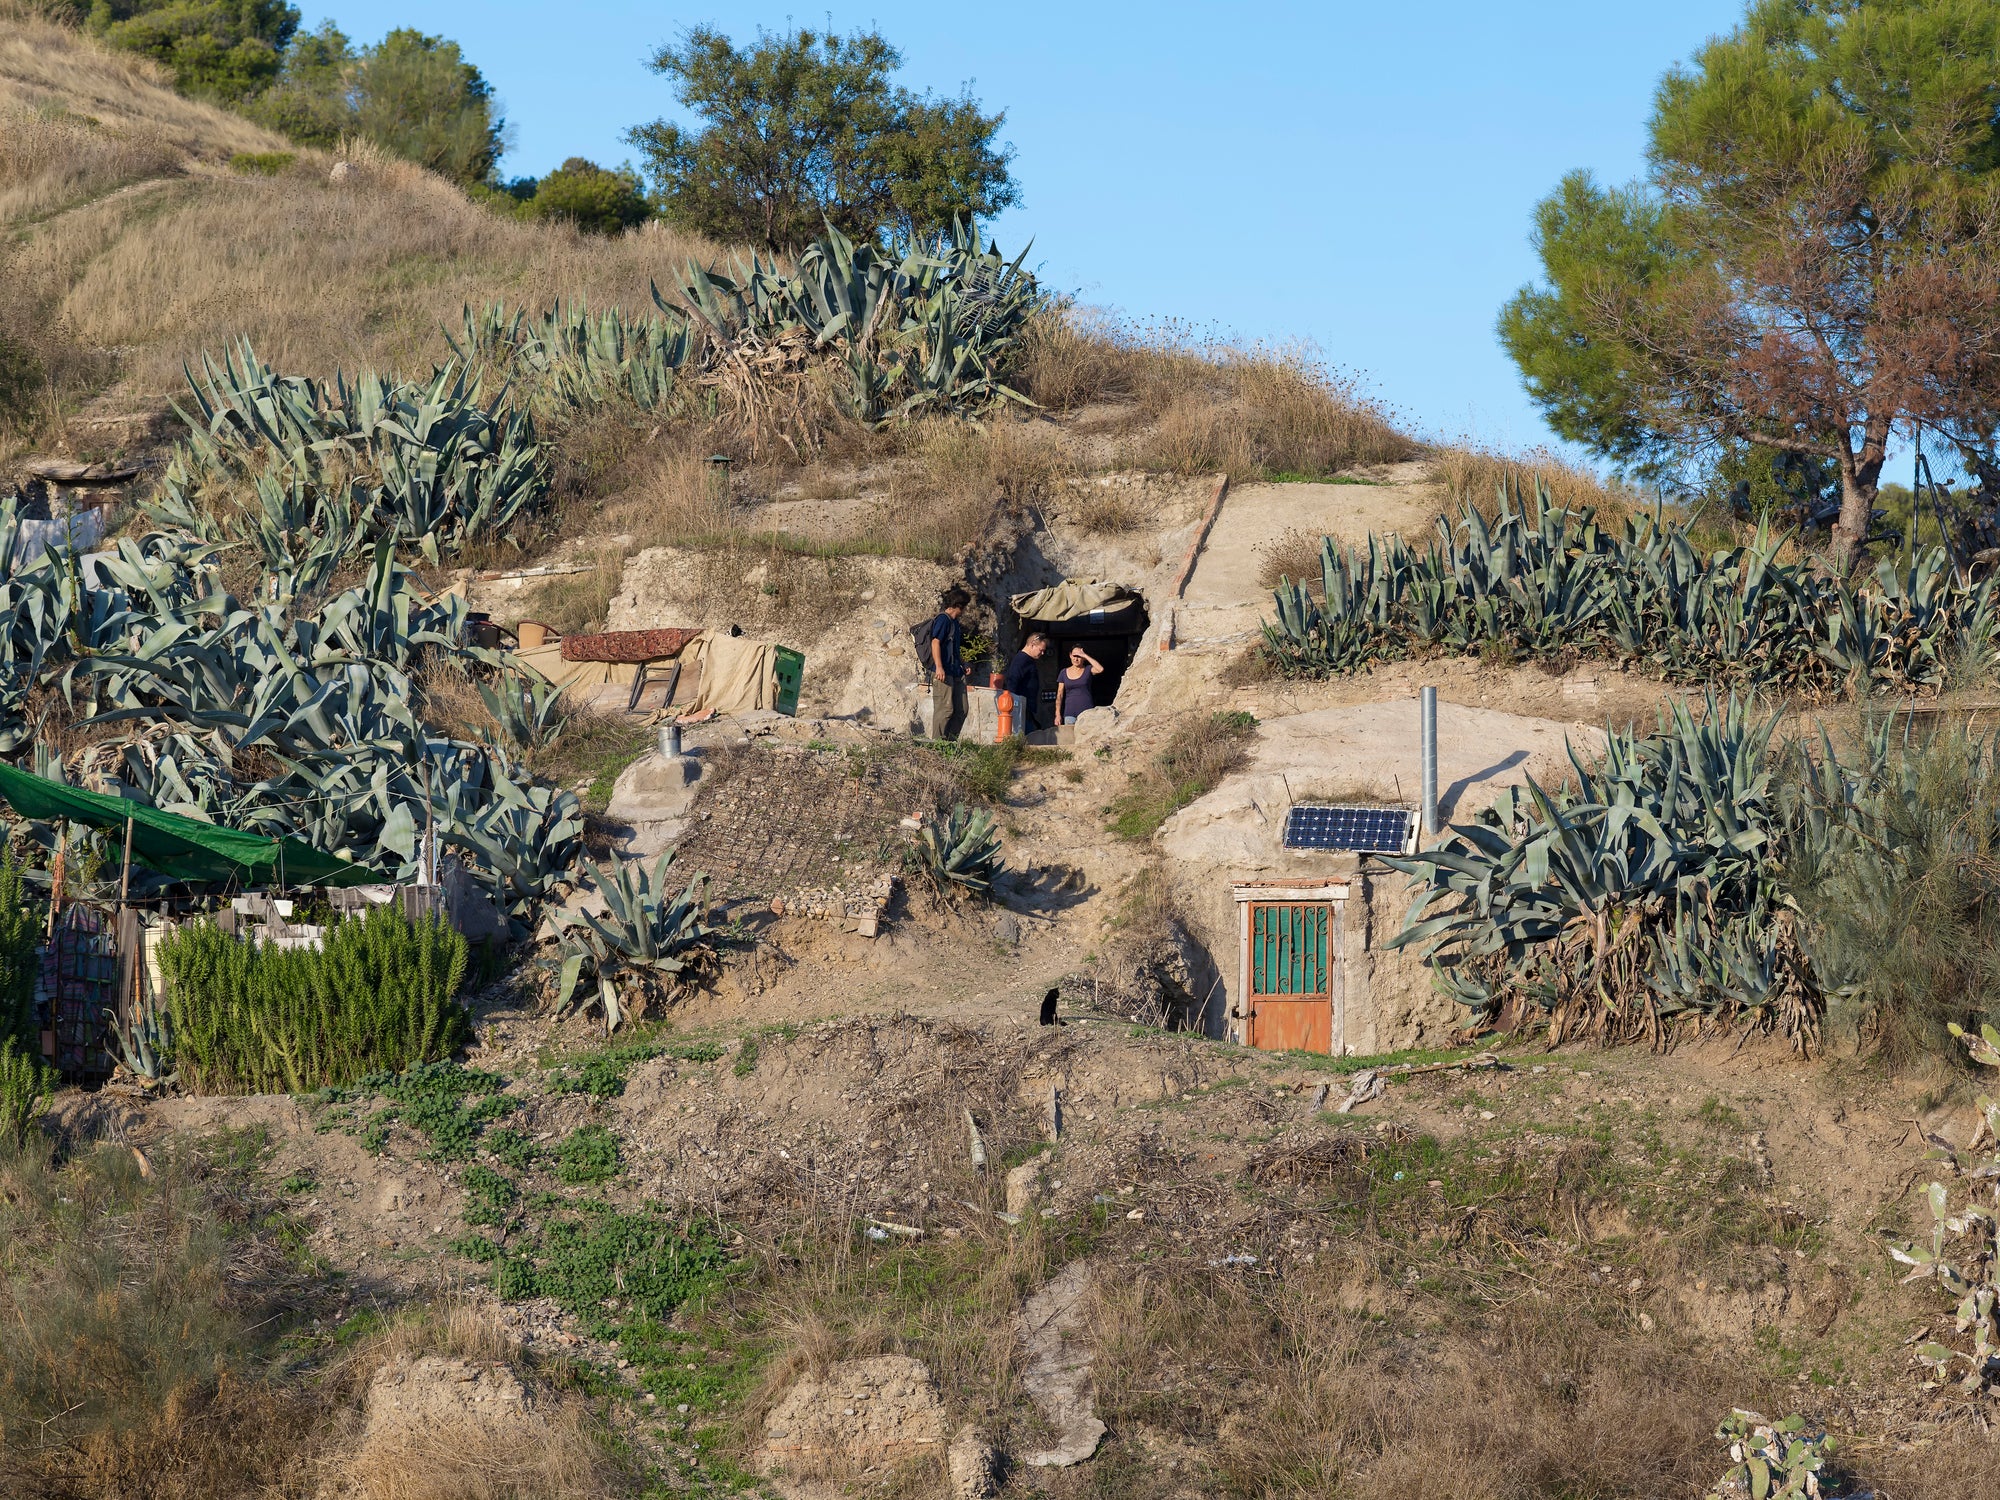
(1428, 697)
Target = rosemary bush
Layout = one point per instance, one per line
(20, 930)
(25, 1086)
(380, 997)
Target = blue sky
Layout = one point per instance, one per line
(1359, 176)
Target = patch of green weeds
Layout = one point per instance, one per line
(364, 1324)
(1319, 1062)
(746, 1057)
(488, 1195)
(619, 1274)
(593, 748)
(1290, 476)
(680, 1369)
(512, 1147)
(1202, 750)
(1722, 1116)
(298, 1184)
(1693, 1203)
(974, 772)
(602, 1073)
(262, 163)
(431, 1099)
(588, 1155)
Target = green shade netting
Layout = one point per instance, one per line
(182, 848)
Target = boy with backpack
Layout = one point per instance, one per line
(943, 653)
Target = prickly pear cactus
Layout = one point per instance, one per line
(1961, 1253)
(1776, 1460)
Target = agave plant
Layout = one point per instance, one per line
(1539, 577)
(1646, 895)
(926, 331)
(646, 935)
(431, 465)
(526, 706)
(144, 1044)
(959, 850)
(570, 358)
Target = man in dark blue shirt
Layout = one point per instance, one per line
(1024, 681)
(947, 666)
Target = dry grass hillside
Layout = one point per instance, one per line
(127, 230)
(53, 70)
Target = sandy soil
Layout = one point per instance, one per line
(1226, 600)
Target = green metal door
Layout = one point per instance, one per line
(1291, 998)
(1288, 949)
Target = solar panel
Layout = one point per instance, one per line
(1367, 830)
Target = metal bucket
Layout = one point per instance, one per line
(670, 741)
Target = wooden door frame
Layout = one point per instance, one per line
(1250, 894)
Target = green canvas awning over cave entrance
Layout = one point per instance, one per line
(182, 848)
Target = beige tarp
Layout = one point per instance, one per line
(1068, 599)
(737, 674)
(581, 675)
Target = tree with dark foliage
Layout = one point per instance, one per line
(1814, 264)
(806, 128)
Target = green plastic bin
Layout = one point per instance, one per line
(791, 671)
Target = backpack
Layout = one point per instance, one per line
(921, 635)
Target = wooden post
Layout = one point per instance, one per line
(58, 872)
(127, 921)
(430, 829)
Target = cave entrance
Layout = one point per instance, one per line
(1106, 619)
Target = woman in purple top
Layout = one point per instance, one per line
(1073, 685)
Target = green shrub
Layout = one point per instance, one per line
(20, 931)
(262, 163)
(1902, 902)
(25, 1086)
(379, 998)
(597, 201)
